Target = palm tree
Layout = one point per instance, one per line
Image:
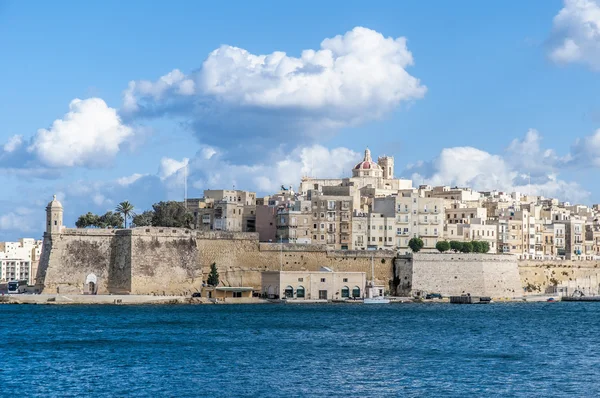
(126, 209)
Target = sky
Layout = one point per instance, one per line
(102, 102)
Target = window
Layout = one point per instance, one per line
(322, 280)
(237, 294)
(345, 280)
(356, 291)
(345, 291)
(322, 237)
(300, 292)
(300, 279)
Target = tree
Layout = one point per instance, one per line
(456, 246)
(485, 247)
(171, 214)
(126, 210)
(110, 220)
(415, 244)
(213, 276)
(143, 220)
(467, 247)
(476, 246)
(442, 246)
(87, 220)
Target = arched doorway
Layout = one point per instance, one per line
(289, 292)
(356, 291)
(91, 284)
(345, 292)
(300, 292)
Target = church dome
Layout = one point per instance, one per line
(367, 163)
(54, 203)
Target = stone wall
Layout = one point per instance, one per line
(455, 274)
(176, 261)
(538, 276)
(68, 258)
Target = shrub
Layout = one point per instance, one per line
(467, 247)
(415, 244)
(442, 246)
(456, 246)
(476, 246)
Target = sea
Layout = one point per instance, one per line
(313, 350)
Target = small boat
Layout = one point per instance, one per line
(372, 298)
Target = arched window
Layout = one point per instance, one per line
(300, 292)
(356, 291)
(289, 292)
(345, 292)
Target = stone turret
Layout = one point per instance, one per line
(387, 164)
(54, 217)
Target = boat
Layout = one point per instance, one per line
(371, 297)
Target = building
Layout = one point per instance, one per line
(370, 178)
(411, 215)
(21, 259)
(331, 220)
(265, 223)
(313, 285)
(224, 210)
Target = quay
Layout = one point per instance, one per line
(582, 298)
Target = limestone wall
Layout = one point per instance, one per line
(456, 274)
(538, 276)
(240, 262)
(68, 258)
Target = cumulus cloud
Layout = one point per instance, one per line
(576, 34)
(351, 78)
(90, 135)
(13, 143)
(524, 167)
(210, 169)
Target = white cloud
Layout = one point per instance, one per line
(13, 143)
(267, 176)
(89, 135)
(351, 78)
(585, 152)
(576, 36)
(169, 167)
(16, 221)
(523, 161)
(128, 180)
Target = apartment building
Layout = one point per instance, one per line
(574, 239)
(20, 259)
(293, 226)
(331, 220)
(414, 216)
(461, 213)
(224, 210)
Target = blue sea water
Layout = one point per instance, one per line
(301, 350)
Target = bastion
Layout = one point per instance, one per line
(454, 274)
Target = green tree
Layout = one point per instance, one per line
(476, 246)
(456, 246)
(143, 219)
(171, 214)
(442, 246)
(415, 244)
(485, 246)
(213, 276)
(467, 247)
(125, 209)
(110, 220)
(87, 220)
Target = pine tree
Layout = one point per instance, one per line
(213, 276)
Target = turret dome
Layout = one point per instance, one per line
(55, 204)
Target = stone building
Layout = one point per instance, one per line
(331, 220)
(224, 210)
(313, 285)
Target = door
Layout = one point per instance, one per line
(322, 294)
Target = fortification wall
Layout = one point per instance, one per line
(456, 274)
(68, 258)
(240, 262)
(538, 275)
(164, 261)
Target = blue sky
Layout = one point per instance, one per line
(469, 93)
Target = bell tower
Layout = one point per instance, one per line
(387, 164)
(54, 217)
